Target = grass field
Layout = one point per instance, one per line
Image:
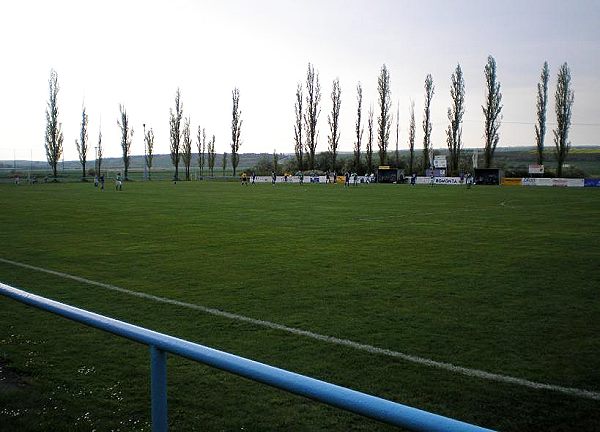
(503, 280)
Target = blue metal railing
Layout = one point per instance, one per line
(360, 403)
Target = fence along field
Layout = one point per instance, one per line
(440, 273)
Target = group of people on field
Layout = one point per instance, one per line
(332, 178)
(348, 176)
(245, 180)
(99, 182)
(31, 180)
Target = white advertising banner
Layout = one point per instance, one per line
(571, 182)
(307, 179)
(439, 162)
(556, 182)
(290, 179)
(455, 181)
(281, 179)
(536, 169)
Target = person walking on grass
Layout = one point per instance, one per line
(119, 182)
(273, 178)
(102, 182)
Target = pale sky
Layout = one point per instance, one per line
(137, 53)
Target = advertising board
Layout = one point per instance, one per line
(511, 181)
(454, 181)
(562, 182)
(439, 161)
(556, 182)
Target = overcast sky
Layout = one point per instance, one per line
(137, 53)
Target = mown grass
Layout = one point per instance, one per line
(499, 279)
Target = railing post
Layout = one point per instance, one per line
(158, 389)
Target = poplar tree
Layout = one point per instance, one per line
(82, 142)
(542, 102)
(201, 136)
(126, 137)
(491, 111)
(384, 120)
(455, 115)
(411, 138)
(236, 129)
(369, 152)
(333, 120)
(99, 153)
(175, 132)
(358, 127)
(311, 115)
(298, 143)
(564, 98)
(149, 141)
(212, 156)
(53, 136)
(186, 153)
(429, 91)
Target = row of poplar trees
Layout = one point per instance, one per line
(307, 110)
(181, 142)
(179, 133)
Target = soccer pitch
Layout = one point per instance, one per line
(480, 304)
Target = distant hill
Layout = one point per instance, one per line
(586, 158)
(162, 161)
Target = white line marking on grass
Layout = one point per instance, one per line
(572, 391)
